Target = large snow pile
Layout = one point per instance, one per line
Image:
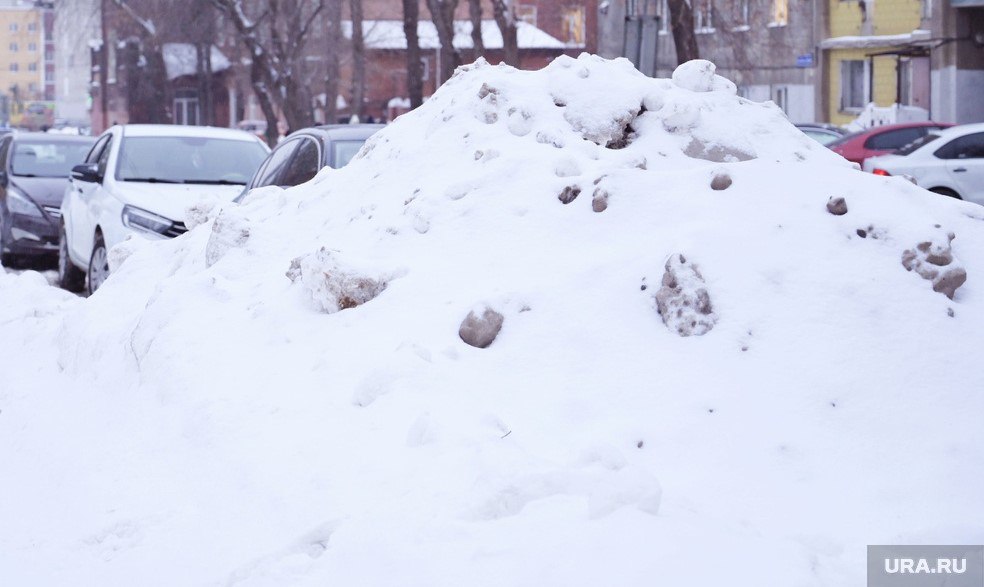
(702, 350)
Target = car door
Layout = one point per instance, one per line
(78, 215)
(965, 164)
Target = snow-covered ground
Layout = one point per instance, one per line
(282, 397)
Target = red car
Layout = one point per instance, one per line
(881, 140)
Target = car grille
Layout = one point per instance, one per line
(177, 229)
(53, 211)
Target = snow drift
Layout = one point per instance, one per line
(693, 371)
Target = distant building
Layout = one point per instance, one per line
(24, 53)
(923, 53)
(765, 46)
(874, 54)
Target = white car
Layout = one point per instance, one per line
(139, 180)
(949, 162)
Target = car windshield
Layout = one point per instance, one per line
(344, 151)
(188, 160)
(36, 158)
(923, 140)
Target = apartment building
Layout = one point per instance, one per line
(24, 55)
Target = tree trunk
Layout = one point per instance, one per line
(442, 13)
(333, 26)
(475, 14)
(415, 67)
(203, 68)
(358, 60)
(505, 19)
(682, 26)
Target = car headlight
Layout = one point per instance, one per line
(19, 203)
(143, 220)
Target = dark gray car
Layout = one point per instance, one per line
(300, 156)
(34, 169)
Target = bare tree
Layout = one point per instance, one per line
(415, 67)
(276, 41)
(333, 69)
(475, 15)
(682, 26)
(505, 19)
(442, 13)
(142, 59)
(358, 60)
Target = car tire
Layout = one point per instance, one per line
(98, 264)
(70, 277)
(946, 192)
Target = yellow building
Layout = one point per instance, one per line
(21, 57)
(874, 53)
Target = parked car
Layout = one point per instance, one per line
(300, 156)
(139, 180)
(949, 162)
(881, 140)
(822, 132)
(34, 170)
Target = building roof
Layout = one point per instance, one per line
(388, 34)
(181, 59)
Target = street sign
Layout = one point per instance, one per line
(805, 60)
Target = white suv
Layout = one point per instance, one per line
(139, 179)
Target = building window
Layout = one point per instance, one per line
(663, 11)
(780, 95)
(13, 67)
(186, 107)
(32, 66)
(49, 76)
(780, 13)
(32, 46)
(13, 47)
(526, 13)
(853, 84)
(742, 10)
(13, 27)
(572, 22)
(703, 16)
(32, 26)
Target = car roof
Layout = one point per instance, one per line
(854, 136)
(342, 132)
(177, 130)
(960, 130)
(44, 137)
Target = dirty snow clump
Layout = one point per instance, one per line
(331, 284)
(682, 300)
(933, 260)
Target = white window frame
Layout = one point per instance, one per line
(845, 85)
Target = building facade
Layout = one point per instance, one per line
(23, 57)
(767, 47)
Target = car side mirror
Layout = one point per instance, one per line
(88, 172)
(3, 178)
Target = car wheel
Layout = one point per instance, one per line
(946, 192)
(98, 264)
(70, 277)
